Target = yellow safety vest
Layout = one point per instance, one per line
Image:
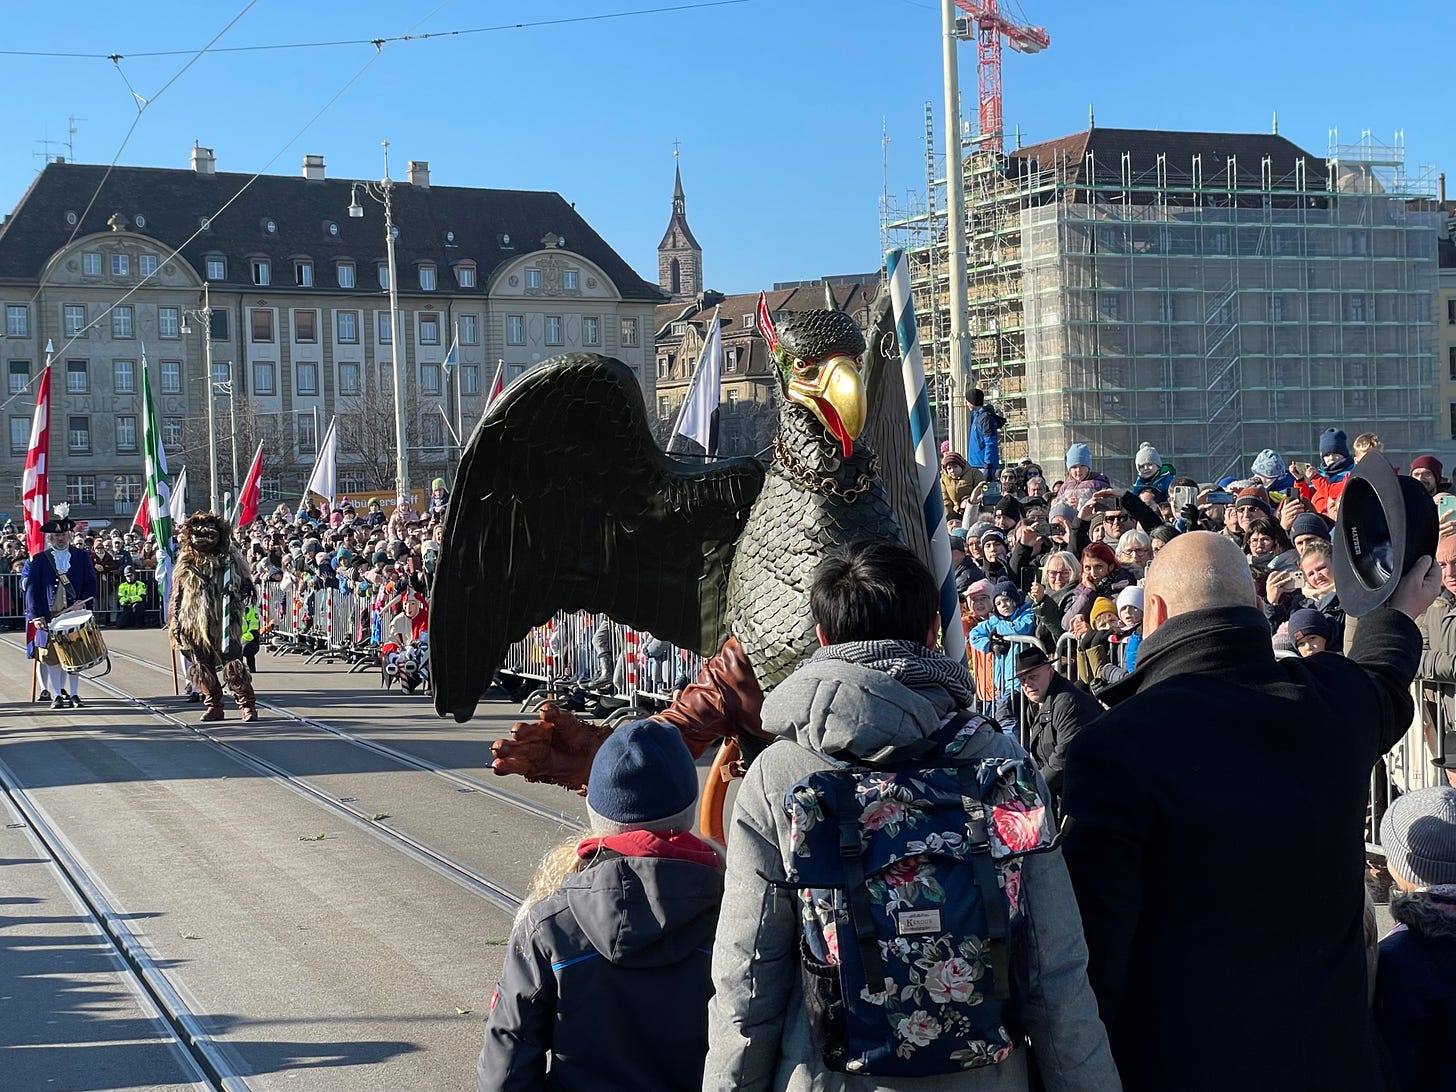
(129, 593)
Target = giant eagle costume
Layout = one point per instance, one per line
(564, 501)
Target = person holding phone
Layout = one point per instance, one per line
(1310, 586)
(1082, 481)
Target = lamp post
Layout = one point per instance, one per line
(204, 315)
(382, 191)
(227, 389)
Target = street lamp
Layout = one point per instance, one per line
(204, 315)
(227, 389)
(382, 191)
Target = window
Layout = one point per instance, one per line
(469, 329)
(78, 433)
(218, 326)
(427, 278)
(465, 276)
(1451, 312)
(305, 326)
(168, 322)
(124, 376)
(386, 334)
(748, 322)
(678, 329)
(121, 321)
(1276, 308)
(516, 371)
(216, 267)
(91, 264)
(349, 380)
(591, 330)
(171, 377)
(432, 431)
(1110, 306)
(470, 379)
(171, 431)
(1453, 420)
(265, 377)
(147, 264)
(128, 490)
(1450, 364)
(222, 372)
(126, 434)
(533, 278)
(664, 407)
(1355, 308)
(430, 378)
(78, 377)
(81, 488)
(262, 321)
(732, 401)
(75, 319)
(515, 330)
(569, 279)
(120, 265)
(664, 367)
(303, 274)
(629, 332)
(730, 361)
(348, 322)
(19, 375)
(383, 276)
(17, 320)
(307, 378)
(429, 328)
(346, 274)
(19, 435)
(262, 271)
(1357, 243)
(307, 433)
(553, 329)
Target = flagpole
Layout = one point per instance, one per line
(459, 374)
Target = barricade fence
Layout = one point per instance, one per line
(107, 606)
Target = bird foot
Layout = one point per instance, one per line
(557, 749)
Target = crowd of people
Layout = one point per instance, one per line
(1167, 718)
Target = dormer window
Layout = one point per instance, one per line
(262, 271)
(533, 278)
(303, 273)
(383, 268)
(427, 278)
(465, 276)
(346, 274)
(679, 329)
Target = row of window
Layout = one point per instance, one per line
(678, 329)
(120, 264)
(1356, 308)
(345, 273)
(305, 328)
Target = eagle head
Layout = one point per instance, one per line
(817, 354)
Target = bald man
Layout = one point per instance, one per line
(1214, 833)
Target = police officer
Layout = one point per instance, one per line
(129, 595)
(251, 626)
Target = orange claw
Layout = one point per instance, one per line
(557, 749)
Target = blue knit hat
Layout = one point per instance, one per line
(1269, 464)
(1008, 589)
(1310, 623)
(1332, 441)
(1079, 455)
(1309, 523)
(642, 778)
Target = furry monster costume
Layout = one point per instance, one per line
(199, 582)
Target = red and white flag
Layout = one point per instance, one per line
(142, 521)
(35, 484)
(498, 384)
(252, 491)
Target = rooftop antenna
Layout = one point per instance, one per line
(1276, 123)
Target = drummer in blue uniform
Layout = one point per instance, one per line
(58, 578)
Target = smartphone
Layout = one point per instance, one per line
(1181, 496)
(1296, 576)
(1218, 496)
(1107, 504)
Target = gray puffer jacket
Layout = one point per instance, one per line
(758, 1032)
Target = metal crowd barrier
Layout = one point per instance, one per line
(106, 607)
(1411, 763)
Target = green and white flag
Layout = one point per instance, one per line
(158, 486)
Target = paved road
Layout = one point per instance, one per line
(344, 961)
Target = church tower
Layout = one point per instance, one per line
(679, 258)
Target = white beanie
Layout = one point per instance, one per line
(1131, 596)
(1147, 455)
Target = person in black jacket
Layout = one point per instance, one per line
(1054, 712)
(608, 974)
(1203, 766)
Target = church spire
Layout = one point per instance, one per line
(679, 257)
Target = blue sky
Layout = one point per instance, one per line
(779, 104)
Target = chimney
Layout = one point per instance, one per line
(1441, 187)
(313, 168)
(419, 174)
(202, 160)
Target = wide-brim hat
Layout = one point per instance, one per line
(1387, 522)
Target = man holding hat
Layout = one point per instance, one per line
(1053, 710)
(59, 578)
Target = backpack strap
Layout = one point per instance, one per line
(989, 885)
(861, 910)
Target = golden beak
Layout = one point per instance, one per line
(834, 393)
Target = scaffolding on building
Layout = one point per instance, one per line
(1208, 304)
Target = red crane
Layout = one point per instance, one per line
(991, 27)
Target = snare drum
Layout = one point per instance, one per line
(76, 638)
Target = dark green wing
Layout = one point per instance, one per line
(563, 501)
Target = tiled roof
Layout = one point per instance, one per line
(175, 202)
(852, 298)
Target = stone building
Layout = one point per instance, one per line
(679, 257)
(111, 267)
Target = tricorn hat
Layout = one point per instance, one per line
(60, 522)
(1387, 522)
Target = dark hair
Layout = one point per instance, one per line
(977, 397)
(1266, 526)
(872, 590)
(1164, 533)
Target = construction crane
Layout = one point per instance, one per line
(991, 25)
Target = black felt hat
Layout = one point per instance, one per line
(1386, 522)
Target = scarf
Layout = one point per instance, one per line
(911, 664)
(678, 846)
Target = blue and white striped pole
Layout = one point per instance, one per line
(927, 455)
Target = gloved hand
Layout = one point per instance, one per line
(1000, 646)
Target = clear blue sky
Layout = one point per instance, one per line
(778, 103)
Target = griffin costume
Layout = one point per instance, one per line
(209, 569)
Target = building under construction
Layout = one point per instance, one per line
(1208, 293)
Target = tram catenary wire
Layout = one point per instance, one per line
(207, 1062)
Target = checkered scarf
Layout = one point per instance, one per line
(908, 663)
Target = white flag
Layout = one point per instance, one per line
(698, 420)
(177, 503)
(325, 477)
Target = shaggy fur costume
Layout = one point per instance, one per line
(197, 593)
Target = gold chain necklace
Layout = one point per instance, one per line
(823, 483)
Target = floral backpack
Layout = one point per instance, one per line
(907, 877)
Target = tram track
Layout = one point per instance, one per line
(205, 1062)
(472, 880)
